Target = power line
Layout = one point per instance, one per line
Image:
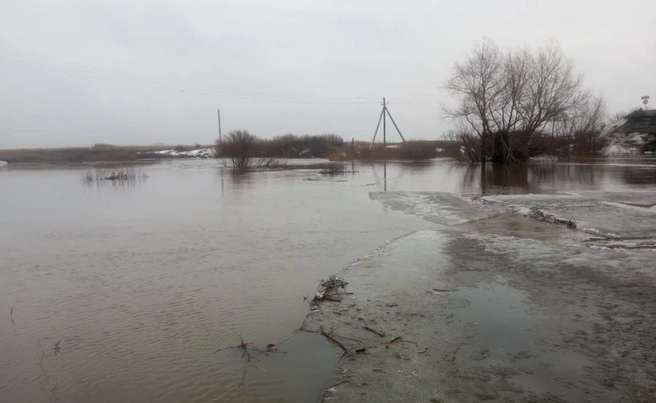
(70, 130)
(95, 72)
(223, 92)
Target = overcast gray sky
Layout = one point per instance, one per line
(142, 72)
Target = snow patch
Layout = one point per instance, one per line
(199, 153)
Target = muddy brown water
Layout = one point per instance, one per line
(140, 282)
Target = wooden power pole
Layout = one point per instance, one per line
(219, 113)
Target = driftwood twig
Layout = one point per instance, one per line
(394, 340)
(333, 340)
(337, 384)
(328, 290)
(380, 334)
(56, 347)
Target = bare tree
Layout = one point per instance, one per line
(511, 95)
(554, 88)
(476, 82)
(578, 132)
(238, 145)
(450, 135)
(623, 114)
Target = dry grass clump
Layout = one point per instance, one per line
(120, 174)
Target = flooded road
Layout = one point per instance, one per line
(123, 291)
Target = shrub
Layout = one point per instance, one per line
(240, 146)
(307, 146)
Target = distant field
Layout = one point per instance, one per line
(96, 153)
(413, 150)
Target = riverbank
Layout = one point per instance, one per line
(102, 153)
(500, 307)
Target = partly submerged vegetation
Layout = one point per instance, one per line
(515, 104)
(118, 175)
(245, 150)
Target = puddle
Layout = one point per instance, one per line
(502, 319)
(509, 340)
(558, 370)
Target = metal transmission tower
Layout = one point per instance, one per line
(383, 116)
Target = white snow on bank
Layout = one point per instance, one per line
(611, 128)
(2, 163)
(617, 149)
(199, 153)
(626, 144)
(623, 142)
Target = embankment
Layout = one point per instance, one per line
(496, 308)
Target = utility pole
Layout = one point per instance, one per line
(383, 116)
(220, 139)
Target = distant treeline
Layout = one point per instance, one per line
(245, 150)
(70, 155)
(305, 146)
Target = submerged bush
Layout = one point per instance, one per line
(240, 146)
(120, 174)
(245, 149)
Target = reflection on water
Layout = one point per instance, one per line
(548, 177)
(515, 179)
(121, 183)
(238, 178)
(142, 286)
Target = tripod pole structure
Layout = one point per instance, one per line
(384, 125)
(377, 126)
(395, 126)
(383, 116)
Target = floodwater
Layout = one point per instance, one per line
(507, 330)
(123, 291)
